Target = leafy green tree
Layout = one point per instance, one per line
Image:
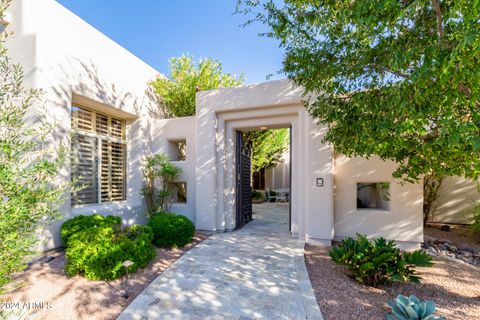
(176, 94)
(399, 79)
(30, 195)
(267, 147)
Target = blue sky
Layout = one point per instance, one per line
(155, 30)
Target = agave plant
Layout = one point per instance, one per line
(17, 314)
(411, 308)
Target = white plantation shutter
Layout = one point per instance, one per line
(101, 125)
(98, 157)
(84, 169)
(113, 171)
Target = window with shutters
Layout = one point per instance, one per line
(98, 157)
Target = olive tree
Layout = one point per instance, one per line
(30, 194)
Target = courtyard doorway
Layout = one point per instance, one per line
(262, 172)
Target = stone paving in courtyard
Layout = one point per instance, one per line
(257, 272)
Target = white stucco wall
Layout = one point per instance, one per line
(279, 176)
(161, 132)
(70, 60)
(272, 104)
(457, 197)
(402, 222)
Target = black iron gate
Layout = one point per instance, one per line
(243, 187)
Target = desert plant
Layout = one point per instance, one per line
(30, 191)
(171, 230)
(158, 168)
(411, 308)
(378, 262)
(17, 314)
(81, 222)
(98, 252)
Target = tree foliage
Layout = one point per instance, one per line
(395, 78)
(267, 147)
(30, 195)
(158, 169)
(176, 94)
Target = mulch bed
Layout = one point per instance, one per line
(453, 286)
(79, 298)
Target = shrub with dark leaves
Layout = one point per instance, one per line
(172, 230)
(379, 262)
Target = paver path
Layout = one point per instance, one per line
(257, 272)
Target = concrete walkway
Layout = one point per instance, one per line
(257, 272)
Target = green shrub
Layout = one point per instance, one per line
(98, 252)
(172, 230)
(79, 223)
(411, 308)
(378, 262)
(257, 195)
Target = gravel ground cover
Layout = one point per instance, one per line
(57, 296)
(453, 286)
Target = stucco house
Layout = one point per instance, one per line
(96, 89)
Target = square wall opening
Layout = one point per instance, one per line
(177, 150)
(373, 195)
(179, 192)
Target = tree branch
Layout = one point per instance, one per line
(438, 10)
(465, 90)
(385, 69)
(397, 73)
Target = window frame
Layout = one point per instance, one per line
(100, 138)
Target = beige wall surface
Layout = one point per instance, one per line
(402, 222)
(278, 177)
(71, 61)
(456, 199)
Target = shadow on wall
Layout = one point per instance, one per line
(402, 221)
(456, 199)
(75, 77)
(252, 96)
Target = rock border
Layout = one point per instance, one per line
(445, 248)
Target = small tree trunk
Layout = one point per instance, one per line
(431, 185)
